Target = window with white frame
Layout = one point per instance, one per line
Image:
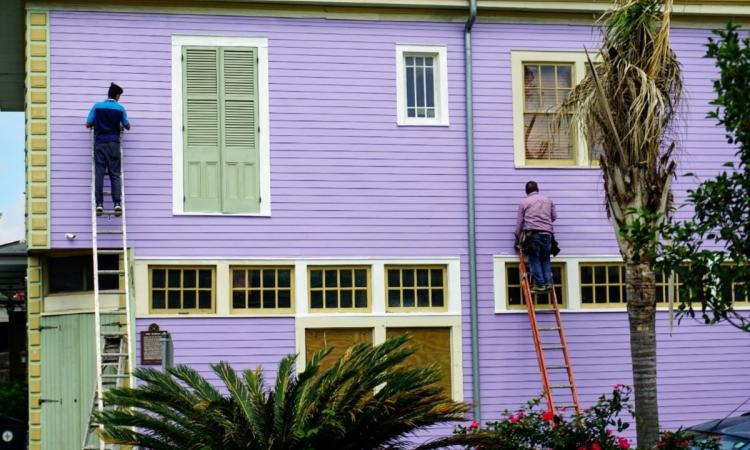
(220, 125)
(541, 81)
(422, 85)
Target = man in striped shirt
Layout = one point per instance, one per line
(105, 118)
(535, 216)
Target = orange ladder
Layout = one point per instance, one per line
(540, 348)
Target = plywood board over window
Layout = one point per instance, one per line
(433, 346)
(338, 339)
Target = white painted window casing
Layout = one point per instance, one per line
(422, 85)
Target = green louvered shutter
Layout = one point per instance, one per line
(239, 113)
(202, 165)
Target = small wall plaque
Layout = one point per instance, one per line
(151, 346)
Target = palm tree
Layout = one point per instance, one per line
(627, 105)
(368, 399)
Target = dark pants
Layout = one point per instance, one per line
(539, 258)
(107, 158)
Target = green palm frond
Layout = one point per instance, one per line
(369, 398)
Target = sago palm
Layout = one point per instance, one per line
(368, 399)
(627, 105)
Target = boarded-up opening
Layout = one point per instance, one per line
(339, 339)
(433, 346)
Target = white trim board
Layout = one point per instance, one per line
(179, 41)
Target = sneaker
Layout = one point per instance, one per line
(547, 288)
(538, 289)
(99, 210)
(118, 210)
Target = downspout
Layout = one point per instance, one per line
(468, 93)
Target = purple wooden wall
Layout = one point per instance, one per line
(346, 181)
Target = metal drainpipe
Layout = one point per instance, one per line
(468, 69)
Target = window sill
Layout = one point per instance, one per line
(556, 166)
(182, 213)
(409, 123)
(596, 310)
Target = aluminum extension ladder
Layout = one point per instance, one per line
(112, 314)
(544, 349)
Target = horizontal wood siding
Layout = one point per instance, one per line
(246, 343)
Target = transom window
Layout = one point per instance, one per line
(415, 287)
(602, 285)
(342, 289)
(182, 289)
(514, 293)
(422, 84)
(262, 289)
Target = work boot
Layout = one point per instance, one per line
(118, 210)
(538, 289)
(99, 210)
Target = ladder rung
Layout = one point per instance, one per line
(110, 271)
(549, 328)
(104, 355)
(114, 375)
(109, 231)
(109, 251)
(113, 333)
(557, 366)
(553, 347)
(113, 311)
(111, 292)
(567, 405)
(560, 386)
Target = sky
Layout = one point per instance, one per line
(11, 176)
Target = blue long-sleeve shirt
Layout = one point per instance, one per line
(106, 117)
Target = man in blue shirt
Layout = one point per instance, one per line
(105, 118)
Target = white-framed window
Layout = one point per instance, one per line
(435, 323)
(220, 126)
(422, 85)
(540, 82)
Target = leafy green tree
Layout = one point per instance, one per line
(626, 105)
(368, 399)
(711, 252)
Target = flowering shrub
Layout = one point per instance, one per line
(532, 427)
(596, 428)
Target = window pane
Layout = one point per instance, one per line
(587, 275)
(158, 278)
(332, 299)
(269, 278)
(173, 300)
(316, 278)
(253, 299)
(436, 277)
(423, 298)
(174, 278)
(238, 299)
(269, 299)
(360, 299)
(394, 298)
(564, 76)
(408, 275)
(360, 278)
(394, 278)
(346, 299)
(614, 274)
(600, 274)
(254, 278)
(188, 300)
(614, 294)
(316, 299)
(437, 298)
(204, 278)
(188, 279)
(330, 276)
(157, 299)
(408, 298)
(410, 98)
(345, 278)
(513, 275)
(430, 87)
(423, 277)
(238, 278)
(600, 293)
(285, 298)
(204, 299)
(587, 294)
(285, 278)
(420, 88)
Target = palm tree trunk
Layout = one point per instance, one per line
(640, 286)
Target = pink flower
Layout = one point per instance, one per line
(514, 418)
(549, 416)
(619, 386)
(474, 425)
(596, 446)
(609, 432)
(583, 447)
(623, 443)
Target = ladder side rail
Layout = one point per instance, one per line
(535, 331)
(97, 301)
(126, 266)
(566, 354)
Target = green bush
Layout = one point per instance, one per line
(14, 400)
